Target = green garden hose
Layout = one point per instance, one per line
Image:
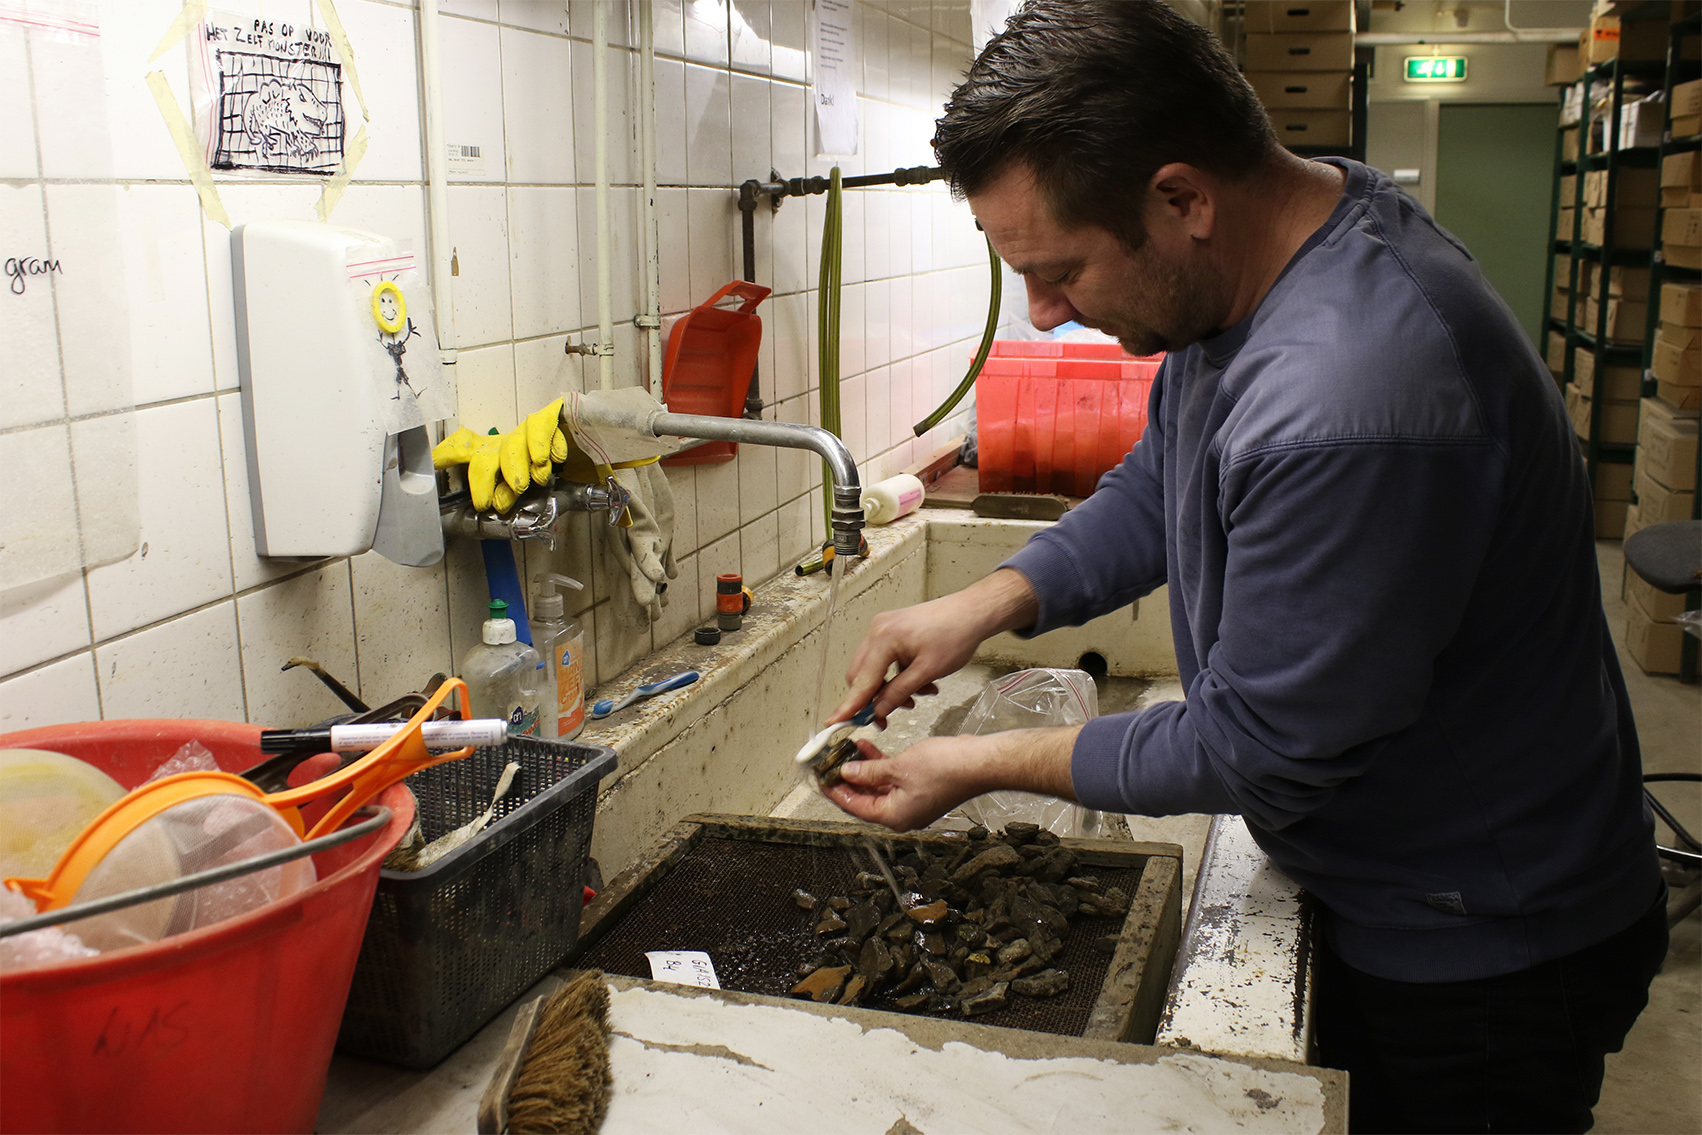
(827, 326)
(994, 299)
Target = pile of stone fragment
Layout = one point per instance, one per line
(974, 924)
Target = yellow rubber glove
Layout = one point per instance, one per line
(482, 468)
(456, 449)
(545, 440)
(516, 470)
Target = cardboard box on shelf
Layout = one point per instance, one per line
(1556, 352)
(1684, 397)
(1620, 383)
(1682, 227)
(1600, 41)
(1687, 98)
(1642, 123)
(1634, 187)
(1610, 518)
(1666, 439)
(1569, 144)
(1633, 521)
(1645, 41)
(1662, 606)
(1565, 65)
(1632, 228)
(1303, 90)
(1681, 304)
(1313, 127)
(1568, 188)
(1659, 504)
(1622, 281)
(1656, 647)
(1618, 419)
(1558, 305)
(1568, 226)
(1613, 482)
(1686, 125)
(1677, 355)
(1627, 320)
(1312, 51)
(1313, 16)
(1681, 180)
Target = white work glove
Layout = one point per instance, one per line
(646, 549)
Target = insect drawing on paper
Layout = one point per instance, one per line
(390, 310)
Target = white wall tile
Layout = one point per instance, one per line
(166, 281)
(682, 481)
(872, 49)
(853, 349)
(748, 35)
(717, 501)
(718, 558)
(401, 626)
(543, 372)
(788, 35)
(681, 614)
(544, 259)
(752, 144)
(851, 418)
(464, 566)
(382, 37)
(796, 471)
(30, 387)
(478, 232)
(42, 620)
(670, 26)
(672, 127)
(393, 211)
(674, 239)
(184, 559)
(708, 126)
(17, 128)
(706, 31)
(788, 240)
(853, 264)
(53, 695)
(544, 15)
(472, 9)
(538, 110)
(758, 492)
(784, 326)
(472, 93)
(623, 255)
(788, 109)
(796, 536)
(877, 330)
(185, 667)
(877, 258)
(485, 386)
(898, 232)
(713, 215)
(759, 549)
(86, 229)
(308, 616)
(902, 292)
(621, 20)
(621, 148)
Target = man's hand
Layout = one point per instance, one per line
(933, 639)
(916, 787)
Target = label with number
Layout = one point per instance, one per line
(683, 967)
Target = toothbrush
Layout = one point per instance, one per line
(609, 705)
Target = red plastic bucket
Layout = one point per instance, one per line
(229, 1028)
(1053, 417)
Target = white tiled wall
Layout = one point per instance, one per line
(195, 623)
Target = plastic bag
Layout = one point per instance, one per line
(1033, 699)
(1691, 621)
(47, 946)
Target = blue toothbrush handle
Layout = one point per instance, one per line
(864, 715)
(685, 678)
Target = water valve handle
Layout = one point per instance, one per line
(618, 498)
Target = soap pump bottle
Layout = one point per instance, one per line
(502, 674)
(561, 641)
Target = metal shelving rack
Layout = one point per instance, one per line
(1612, 75)
(1677, 70)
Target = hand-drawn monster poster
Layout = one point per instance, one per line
(268, 96)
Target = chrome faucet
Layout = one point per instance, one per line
(537, 514)
(847, 493)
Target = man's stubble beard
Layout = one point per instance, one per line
(1181, 305)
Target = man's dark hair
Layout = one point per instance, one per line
(1095, 96)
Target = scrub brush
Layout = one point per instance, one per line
(553, 1075)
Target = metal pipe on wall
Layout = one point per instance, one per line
(437, 178)
(651, 322)
(600, 116)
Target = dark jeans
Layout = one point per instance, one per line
(1519, 1052)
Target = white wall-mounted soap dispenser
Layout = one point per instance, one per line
(341, 380)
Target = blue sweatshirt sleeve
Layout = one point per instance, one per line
(1108, 551)
(1347, 571)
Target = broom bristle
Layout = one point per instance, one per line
(564, 1085)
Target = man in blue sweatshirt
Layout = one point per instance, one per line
(1361, 487)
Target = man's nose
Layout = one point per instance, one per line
(1047, 307)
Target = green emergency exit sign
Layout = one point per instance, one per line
(1436, 69)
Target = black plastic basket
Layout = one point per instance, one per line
(449, 947)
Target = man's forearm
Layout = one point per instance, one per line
(1028, 760)
(1003, 601)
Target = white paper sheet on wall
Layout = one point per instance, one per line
(67, 424)
(393, 301)
(835, 89)
(268, 96)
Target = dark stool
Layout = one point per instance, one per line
(1669, 558)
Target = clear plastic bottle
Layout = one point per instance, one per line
(561, 641)
(886, 501)
(502, 674)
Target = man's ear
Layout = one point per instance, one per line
(1183, 200)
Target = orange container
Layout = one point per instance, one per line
(229, 1028)
(711, 356)
(1053, 417)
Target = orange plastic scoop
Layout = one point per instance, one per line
(397, 758)
(711, 356)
